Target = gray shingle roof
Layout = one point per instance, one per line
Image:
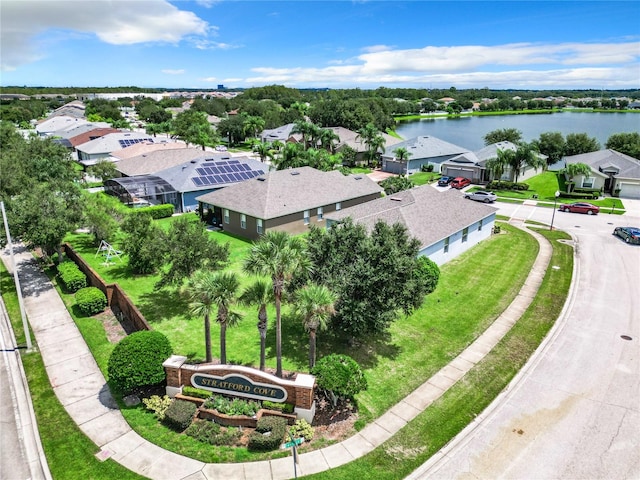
(284, 192)
(428, 215)
(426, 146)
(629, 167)
(165, 156)
(111, 142)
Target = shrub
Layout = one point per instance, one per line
(195, 392)
(156, 211)
(279, 407)
(233, 407)
(71, 276)
(91, 300)
(179, 415)
(504, 185)
(302, 429)
(137, 360)
(269, 434)
(340, 375)
(429, 272)
(211, 433)
(157, 404)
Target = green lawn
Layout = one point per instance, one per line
(422, 178)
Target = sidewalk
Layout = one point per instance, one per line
(82, 389)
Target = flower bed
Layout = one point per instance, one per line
(242, 420)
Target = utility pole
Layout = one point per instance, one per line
(25, 324)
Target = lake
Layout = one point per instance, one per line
(469, 132)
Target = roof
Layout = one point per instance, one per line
(79, 128)
(90, 135)
(60, 122)
(426, 146)
(142, 148)
(166, 156)
(628, 167)
(112, 142)
(285, 192)
(428, 214)
(196, 174)
(351, 138)
(281, 134)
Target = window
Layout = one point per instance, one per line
(587, 182)
(480, 225)
(320, 211)
(306, 217)
(243, 220)
(226, 216)
(465, 234)
(259, 226)
(446, 245)
(338, 206)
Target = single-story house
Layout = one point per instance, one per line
(613, 172)
(93, 151)
(422, 150)
(280, 134)
(145, 149)
(472, 165)
(149, 161)
(181, 184)
(444, 222)
(289, 200)
(49, 126)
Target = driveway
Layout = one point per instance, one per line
(574, 411)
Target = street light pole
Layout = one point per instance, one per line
(555, 201)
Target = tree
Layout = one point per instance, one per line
(101, 216)
(340, 376)
(309, 131)
(393, 185)
(574, 169)
(188, 247)
(264, 149)
(225, 295)
(328, 139)
(578, 143)
(496, 166)
(104, 170)
(512, 135)
(253, 125)
(278, 256)
(627, 143)
(259, 293)
(193, 127)
(291, 156)
(315, 304)
(552, 145)
(143, 243)
(402, 154)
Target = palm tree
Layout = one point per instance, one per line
(290, 157)
(496, 167)
(574, 169)
(306, 129)
(253, 125)
(328, 139)
(402, 154)
(278, 256)
(259, 293)
(506, 157)
(376, 146)
(264, 149)
(199, 290)
(315, 304)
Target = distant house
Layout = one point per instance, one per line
(181, 184)
(49, 126)
(472, 165)
(150, 160)
(423, 150)
(444, 222)
(349, 138)
(611, 171)
(280, 134)
(93, 151)
(289, 200)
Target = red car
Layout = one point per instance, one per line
(580, 207)
(460, 182)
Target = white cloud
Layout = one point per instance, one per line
(376, 48)
(207, 3)
(173, 72)
(25, 23)
(204, 44)
(209, 79)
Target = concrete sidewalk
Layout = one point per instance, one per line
(82, 389)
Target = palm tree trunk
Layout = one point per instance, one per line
(207, 338)
(312, 349)
(223, 343)
(262, 328)
(278, 337)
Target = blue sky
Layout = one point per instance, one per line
(335, 44)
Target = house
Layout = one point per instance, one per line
(422, 150)
(472, 165)
(49, 126)
(351, 139)
(148, 160)
(280, 134)
(181, 184)
(93, 151)
(613, 172)
(289, 200)
(444, 222)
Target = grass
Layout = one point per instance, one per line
(422, 178)
(445, 418)
(70, 454)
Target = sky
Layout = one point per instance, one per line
(363, 44)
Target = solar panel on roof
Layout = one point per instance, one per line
(197, 181)
(245, 167)
(225, 178)
(238, 177)
(231, 162)
(210, 179)
(234, 168)
(208, 164)
(201, 171)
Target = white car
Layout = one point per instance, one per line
(481, 196)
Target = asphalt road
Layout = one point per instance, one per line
(574, 411)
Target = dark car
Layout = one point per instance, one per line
(628, 234)
(580, 207)
(444, 181)
(460, 182)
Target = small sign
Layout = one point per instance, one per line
(240, 386)
(296, 441)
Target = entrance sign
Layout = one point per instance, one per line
(240, 386)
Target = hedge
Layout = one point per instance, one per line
(71, 276)
(179, 415)
(503, 185)
(156, 211)
(578, 195)
(275, 429)
(91, 300)
(195, 392)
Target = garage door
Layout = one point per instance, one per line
(459, 172)
(630, 190)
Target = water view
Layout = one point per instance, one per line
(469, 131)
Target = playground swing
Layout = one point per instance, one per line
(106, 249)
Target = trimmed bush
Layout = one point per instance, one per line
(504, 185)
(577, 195)
(195, 392)
(156, 211)
(157, 404)
(269, 434)
(91, 300)
(179, 415)
(340, 375)
(302, 429)
(71, 276)
(232, 407)
(278, 407)
(137, 360)
(211, 433)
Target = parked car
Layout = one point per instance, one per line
(628, 234)
(580, 207)
(444, 181)
(482, 196)
(460, 182)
